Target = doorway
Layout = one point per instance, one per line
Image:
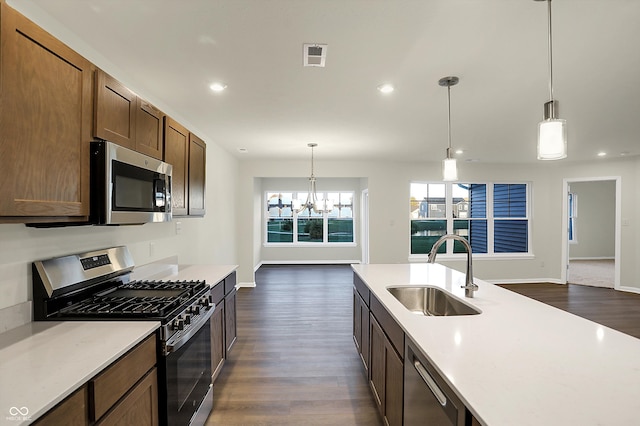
(592, 232)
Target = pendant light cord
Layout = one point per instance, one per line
(449, 120)
(550, 54)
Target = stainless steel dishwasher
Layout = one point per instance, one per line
(428, 401)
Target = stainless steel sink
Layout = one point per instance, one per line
(431, 301)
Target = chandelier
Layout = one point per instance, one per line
(313, 202)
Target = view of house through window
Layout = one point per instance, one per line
(284, 225)
(494, 218)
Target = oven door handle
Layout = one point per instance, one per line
(174, 346)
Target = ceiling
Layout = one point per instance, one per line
(273, 106)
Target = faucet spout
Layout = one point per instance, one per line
(469, 287)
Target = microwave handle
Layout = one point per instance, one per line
(159, 187)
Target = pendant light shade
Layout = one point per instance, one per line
(552, 131)
(552, 138)
(449, 165)
(449, 170)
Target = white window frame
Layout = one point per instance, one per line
(324, 217)
(449, 255)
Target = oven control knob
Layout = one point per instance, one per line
(178, 324)
(187, 319)
(195, 310)
(205, 302)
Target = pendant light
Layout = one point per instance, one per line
(318, 205)
(552, 131)
(449, 166)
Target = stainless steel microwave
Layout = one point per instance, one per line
(128, 187)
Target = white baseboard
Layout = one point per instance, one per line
(308, 262)
(630, 289)
(592, 258)
(248, 285)
(527, 281)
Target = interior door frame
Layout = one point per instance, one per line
(364, 230)
(565, 224)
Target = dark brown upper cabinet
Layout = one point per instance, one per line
(124, 118)
(46, 100)
(176, 153)
(197, 167)
(149, 129)
(115, 111)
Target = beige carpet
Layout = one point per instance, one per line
(595, 273)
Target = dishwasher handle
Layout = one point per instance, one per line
(433, 386)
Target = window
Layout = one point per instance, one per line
(284, 225)
(573, 213)
(493, 217)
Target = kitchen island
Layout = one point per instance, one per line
(518, 362)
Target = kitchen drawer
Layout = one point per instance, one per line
(361, 287)
(139, 407)
(108, 387)
(70, 412)
(230, 283)
(217, 292)
(391, 328)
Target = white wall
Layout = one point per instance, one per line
(388, 185)
(595, 220)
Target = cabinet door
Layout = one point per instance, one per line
(197, 167)
(386, 375)
(377, 366)
(361, 329)
(176, 153)
(230, 333)
(149, 128)
(139, 407)
(115, 111)
(217, 341)
(46, 94)
(394, 387)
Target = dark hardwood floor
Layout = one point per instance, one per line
(615, 309)
(294, 362)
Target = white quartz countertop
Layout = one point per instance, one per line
(519, 362)
(212, 274)
(41, 363)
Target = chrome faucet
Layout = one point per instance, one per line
(469, 286)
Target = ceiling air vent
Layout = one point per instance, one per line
(314, 54)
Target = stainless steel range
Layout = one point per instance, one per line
(97, 286)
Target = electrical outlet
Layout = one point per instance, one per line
(178, 228)
(152, 249)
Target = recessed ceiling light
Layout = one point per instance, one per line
(217, 87)
(602, 154)
(386, 88)
(243, 150)
(459, 151)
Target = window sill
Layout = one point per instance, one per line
(316, 245)
(476, 256)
